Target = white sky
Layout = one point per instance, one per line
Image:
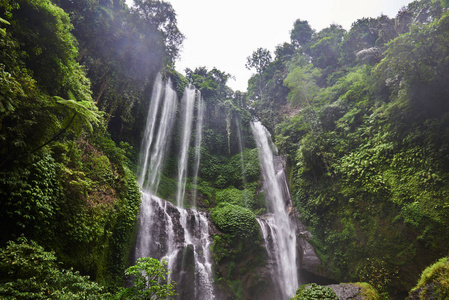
(222, 33)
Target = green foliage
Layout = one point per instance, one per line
(43, 30)
(415, 70)
(230, 195)
(243, 198)
(29, 197)
(223, 171)
(378, 274)
(150, 281)
(365, 150)
(314, 291)
(259, 60)
(167, 188)
(368, 291)
(368, 33)
(27, 271)
(434, 281)
(302, 82)
(212, 84)
(39, 74)
(301, 33)
(240, 223)
(123, 49)
(161, 16)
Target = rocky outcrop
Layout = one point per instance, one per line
(308, 259)
(347, 291)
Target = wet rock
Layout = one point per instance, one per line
(308, 259)
(347, 291)
(185, 287)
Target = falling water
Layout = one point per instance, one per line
(188, 101)
(149, 129)
(198, 136)
(282, 248)
(157, 146)
(166, 231)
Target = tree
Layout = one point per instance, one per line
(212, 84)
(161, 16)
(325, 47)
(151, 280)
(259, 60)
(302, 82)
(415, 70)
(365, 34)
(38, 72)
(301, 33)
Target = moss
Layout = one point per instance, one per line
(167, 188)
(230, 195)
(368, 291)
(239, 222)
(434, 281)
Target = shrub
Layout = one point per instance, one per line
(315, 291)
(27, 271)
(237, 221)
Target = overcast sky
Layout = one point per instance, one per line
(223, 33)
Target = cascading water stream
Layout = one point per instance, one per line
(188, 101)
(150, 128)
(282, 248)
(166, 231)
(198, 137)
(154, 149)
(152, 156)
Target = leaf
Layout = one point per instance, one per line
(87, 113)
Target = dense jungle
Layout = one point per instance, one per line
(110, 159)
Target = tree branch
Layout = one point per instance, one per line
(57, 135)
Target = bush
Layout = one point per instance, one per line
(315, 291)
(230, 195)
(27, 271)
(238, 222)
(150, 280)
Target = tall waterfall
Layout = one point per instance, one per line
(187, 102)
(153, 147)
(181, 236)
(277, 230)
(198, 137)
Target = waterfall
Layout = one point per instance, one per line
(277, 230)
(149, 129)
(155, 149)
(181, 236)
(188, 101)
(198, 136)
